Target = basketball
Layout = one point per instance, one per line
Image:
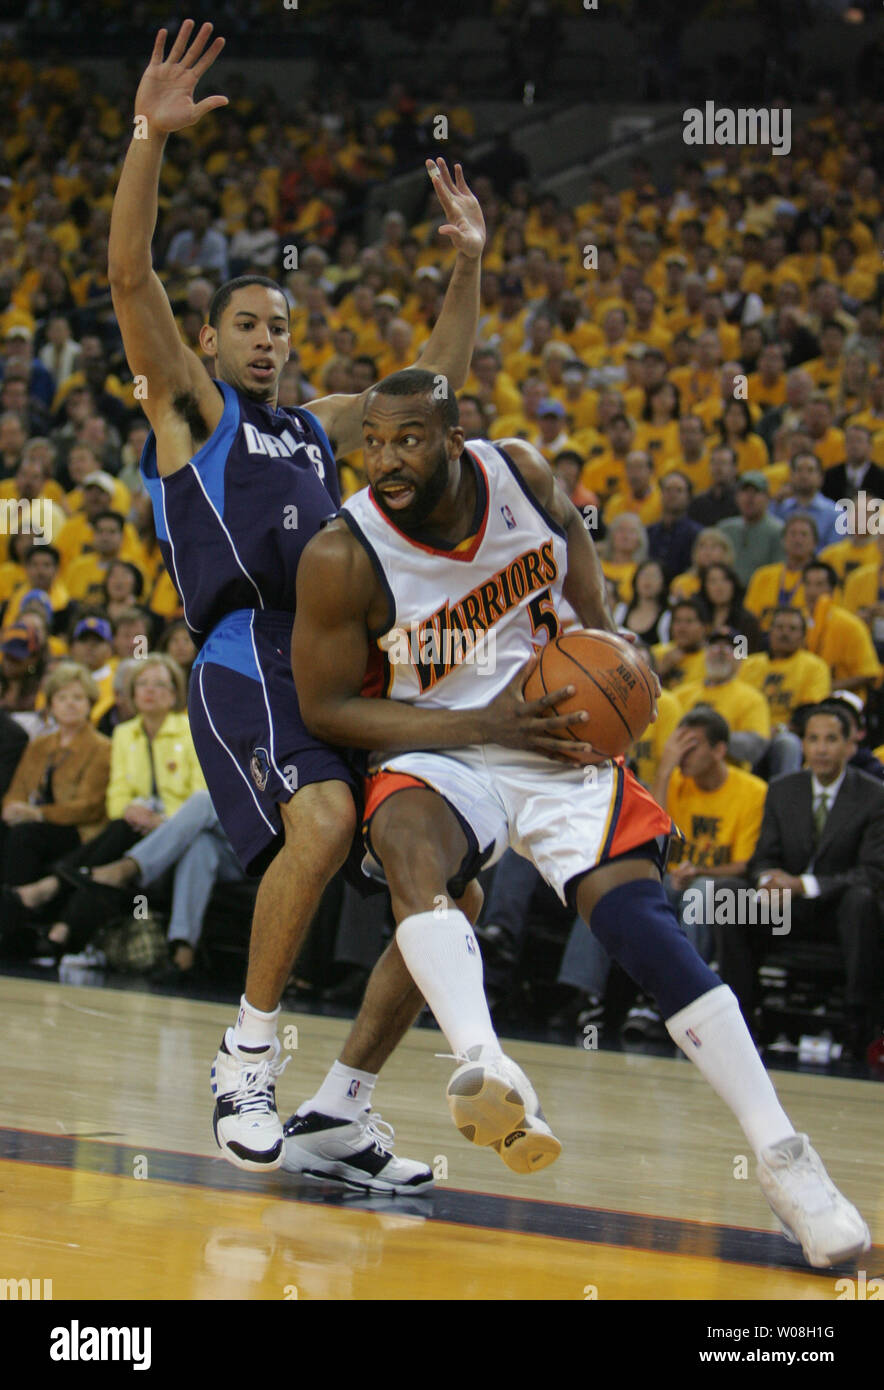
(611, 681)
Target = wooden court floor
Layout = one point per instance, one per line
(112, 1188)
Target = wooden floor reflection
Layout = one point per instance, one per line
(111, 1187)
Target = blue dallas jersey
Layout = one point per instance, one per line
(231, 524)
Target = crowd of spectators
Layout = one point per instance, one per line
(701, 361)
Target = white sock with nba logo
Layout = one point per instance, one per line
(344, 1094)
(253, 1035)
(444, 960)
(712, 1032)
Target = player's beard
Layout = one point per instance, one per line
(427, 496)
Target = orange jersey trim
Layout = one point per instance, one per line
(381, 785)
(635, 817)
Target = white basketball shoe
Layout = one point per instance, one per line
(807, 1204)
(247, 1127)
(493, 1104)
(356, 1152)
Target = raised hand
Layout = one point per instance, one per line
(466, 225)
(165, 92)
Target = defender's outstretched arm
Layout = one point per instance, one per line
(164, 103)
(449, 348)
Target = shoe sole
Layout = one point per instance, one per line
(524, 1152)
(306, 1164)
(484, 1107)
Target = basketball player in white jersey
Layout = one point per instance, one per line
(451, 546)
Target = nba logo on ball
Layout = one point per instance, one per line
(508, 518)
(259, 766)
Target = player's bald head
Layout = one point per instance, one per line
(428, 390)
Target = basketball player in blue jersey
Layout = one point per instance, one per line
(455, 540)
(239, 486)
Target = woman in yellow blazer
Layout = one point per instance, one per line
(153, 771)
(152, 756)
(56, 799)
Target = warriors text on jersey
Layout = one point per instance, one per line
(462, 621)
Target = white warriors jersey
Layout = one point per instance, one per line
(461, 622)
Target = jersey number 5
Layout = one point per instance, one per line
(544, 615)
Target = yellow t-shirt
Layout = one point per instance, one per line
(648, 510)
(694, 386)
(621, 575)
(659, 440)
(843, 641)
(106, 697)
(120, 502)
(505, 397)
(719, 827)
(165, 598)
(744, 708)
(861, 589)
(773, 586)
(824, 378)
(829, 448)
(698, 473)
(50, 489)
(846, 556)
(12, 576)
(75, 538)
(751, 454)
(646, 751)
(604, 475)
(58, 597)
(83, 574)
(692, 667)
(768, 397)
(684, 585)
(802, 679)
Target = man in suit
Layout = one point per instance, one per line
(822, 839)
(857, 472)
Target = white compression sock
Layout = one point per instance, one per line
(254, 1032)
(712, 1032)
(345, 1093)
(443, 957)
